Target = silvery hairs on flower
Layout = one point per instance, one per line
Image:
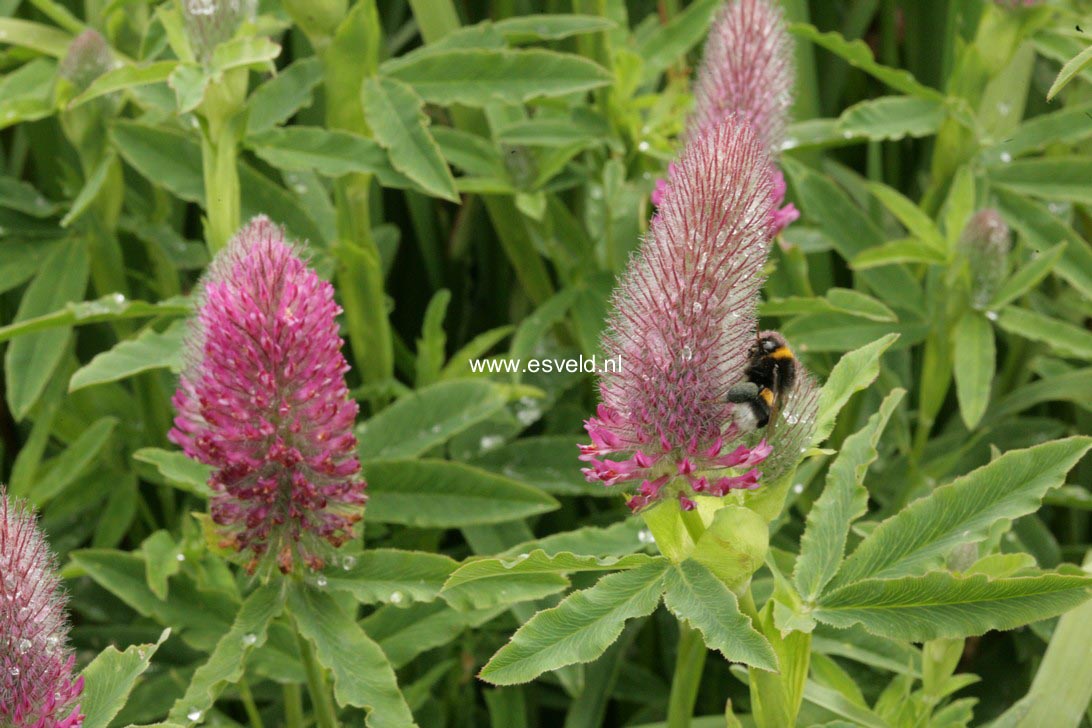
(683, 323)
(263, 400)
(747, 72)
(37, 687)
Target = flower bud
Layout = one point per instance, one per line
(985, 246)
(734, 545)
(209, 23)
(88, 57)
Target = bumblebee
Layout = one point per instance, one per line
(769, 378)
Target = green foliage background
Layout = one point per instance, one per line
(473, 176)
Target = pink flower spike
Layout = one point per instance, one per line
(263, 400)
(37, 687)
(686, 504)
(747, 69)
(747, 481)
(658, 192)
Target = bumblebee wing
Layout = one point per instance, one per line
(775, 407)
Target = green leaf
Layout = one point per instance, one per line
(920, 225)
(396, 116)
(580, 628)
(843, 501)
(1027, 276)
(840, 300)
(908, 250)
(429, 417)
(279, 98)
(853, 372)
(188, 475)
(444, 494)
(479, 77)
(1072, 67)
(942, 605)
(432, 345)
(1055, 178)
(390, 576)
(891, 118)
(671, 41)
(110, 678)
(189, 81)
(113, 307)
(329, 152)
(123, 78)
(579, 129)
(852, 232)
(534, 28)
(962, 512)
(1067, 126)
(67, 467)
(161, 561)
(694, 594)
(486, 583)
(363, 676)
(857, 54)
(166, 158)
(974, 360)
(227, 662)
(91, 188)
(31, 360)
(255, 52)
(18, 195)
(34, 36)
(1060, 336)
(150, 350)
(548, 462)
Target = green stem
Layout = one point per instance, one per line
(322, 702)
(687, 678)
(221, 186)
(293, 706)
(249, 705)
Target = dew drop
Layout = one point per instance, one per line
(23, 646)
(490, 442)
(798, 488)
(1006, 157)
(991, 315)
(642, 147)
(194, 715)
(396, 597)
(321, 581)
(596, 193)
(348, 563)
(13, 671)
(180, 557)
(435, 429)
(687, 353)
(645, 536)
(249, 640)
(847, 135)
(118, 298)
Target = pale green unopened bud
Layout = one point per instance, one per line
(317, 18)
(985, 244)
(88, 57)
(734, 545)
(212, 22)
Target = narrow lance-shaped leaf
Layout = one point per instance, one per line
(942, 605)
(388, 575)
(921, 535)
(363, 676)
(694, 594)
(853, 372)
(227, 662)
(843, 501)
(580, 628)
(974, 357)
(110, 678)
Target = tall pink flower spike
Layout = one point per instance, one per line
(263, 400)
(37, 687)
(683, 322)
(747, 70)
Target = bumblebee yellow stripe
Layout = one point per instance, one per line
(767, 396)
(781, 352)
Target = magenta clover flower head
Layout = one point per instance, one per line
(37, 687)
(263, 400)
(683, 323)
